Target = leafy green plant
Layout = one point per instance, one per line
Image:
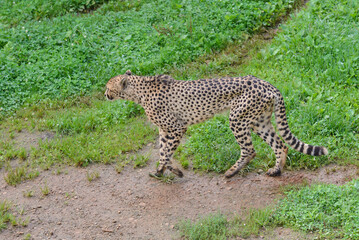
(219, 226)
(207, 228)
(140, 161)
(15, 12)
(72, 55)
(330, 210)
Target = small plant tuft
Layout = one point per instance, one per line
(45, 190)
(140, 161)
(91, 176)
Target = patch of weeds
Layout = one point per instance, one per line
(251, 224)
(219, 226)
(92, 175)
(2, 162)
(29, 193)
(58, 171)
(165, 178)
(101, 145)
(22, 154)
(184, 163)
(294, 187)
(7, 217)
(27, 236)
(122, 162)
(331, 211)
(9, 152)
(45, 190)
(19, 174)
(212, 227)
(140, 161)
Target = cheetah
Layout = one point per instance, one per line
(173, 105)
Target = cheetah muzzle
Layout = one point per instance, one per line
(173, 105)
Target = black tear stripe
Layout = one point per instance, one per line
(309, 149)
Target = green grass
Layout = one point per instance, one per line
(331, 211)
(71, 55)
(85, 131)
(97, 146)
(210, 227)
(140, 161)
(8, 217)
(219, 226)
(325, 210)
(16, 175)
(13, 13)
(313, 62)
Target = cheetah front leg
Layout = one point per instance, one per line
(169, 141)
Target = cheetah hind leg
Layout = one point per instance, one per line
(175, 171)
(238, 166)
(247, 151)
(265, 130)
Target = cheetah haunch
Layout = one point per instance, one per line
(173, 105)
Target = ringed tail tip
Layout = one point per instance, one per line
(325, 151)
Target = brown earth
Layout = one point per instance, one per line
(131, 205)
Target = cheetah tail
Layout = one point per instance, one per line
(288, 136)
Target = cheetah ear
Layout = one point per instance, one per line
(124, 83)
(128, 72)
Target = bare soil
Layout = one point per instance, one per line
(132, 205)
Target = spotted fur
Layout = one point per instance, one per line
(173, 105)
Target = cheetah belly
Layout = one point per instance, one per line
(194, 107)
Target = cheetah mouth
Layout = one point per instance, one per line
(108, 96)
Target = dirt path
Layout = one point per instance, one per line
(131, 205)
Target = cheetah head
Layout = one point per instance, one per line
(119, 87)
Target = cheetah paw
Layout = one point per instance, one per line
(274, 172)
(231, 172)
